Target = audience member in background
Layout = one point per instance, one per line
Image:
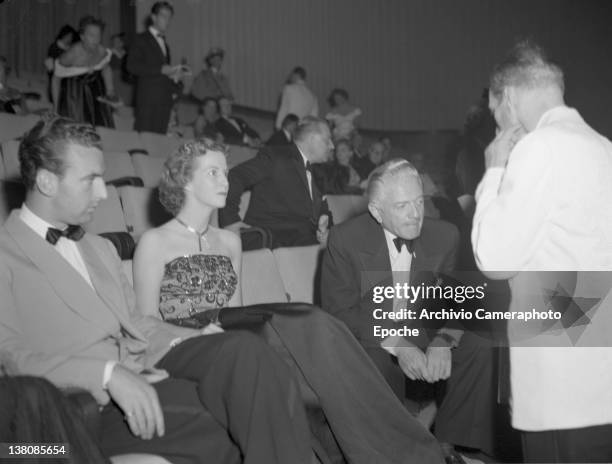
(386, 141)
(204, 125)
(284, 135)
(11, 100)
(235, 130)
(297, 98)
(198, 396)
(365, 165)
(343, 115)
(357, 144)
(149, 60)
(366, 419)
(121, 78)
(211, 82)
(284, 199)
(65, 38)
(391, 245)
(86, 82)
(542, 217)
(338, 176)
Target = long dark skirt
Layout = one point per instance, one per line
(78, 100)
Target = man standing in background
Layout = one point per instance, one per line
(544, 205)
(149, 60)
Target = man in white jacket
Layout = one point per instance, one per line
(297, 98)
(544, 205)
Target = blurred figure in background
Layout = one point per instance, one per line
(284, 135)
(65, 38)
(11, 100)
(86, 88)
(121, 79)
(211, 82)
(343, 115)
(235, 130)
(337, 176)
(297, 98)
(204, 125)
(364, 166)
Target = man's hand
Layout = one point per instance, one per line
(412, 361)
(236, 226)
(439, 361)
(323, 230)
(139, 402)
(498, 151)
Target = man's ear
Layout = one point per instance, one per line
(374, 210)
(47, 182)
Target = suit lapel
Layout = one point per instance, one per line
(153, 43)
(105, 285)
(66, 281)
(298, 163)
(374, 257)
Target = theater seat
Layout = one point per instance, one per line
(119, 141)
(142, 209)
(2, 171)
(108, 216)
(118, 165)
(12, 195)
(298, 269)
(148, 168)
(261, 281)
(344, 207)
(13, 126)
(160, 146)
(10, 155)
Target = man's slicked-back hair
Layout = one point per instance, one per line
(526, 66)
(386, 172)
(308, 126)
(44, 146)
(158, 6)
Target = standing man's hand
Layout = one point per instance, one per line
(139, 402)
(323, 230)
(498, 151)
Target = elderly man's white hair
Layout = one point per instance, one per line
(386, 173)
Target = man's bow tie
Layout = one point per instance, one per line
(400, 242)
(71, 232)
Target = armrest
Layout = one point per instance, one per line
(123, 242)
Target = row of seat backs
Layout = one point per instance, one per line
(137, 209)
(119, 164)
(275, 276)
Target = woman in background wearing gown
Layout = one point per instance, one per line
(187, 266)
(86, 89)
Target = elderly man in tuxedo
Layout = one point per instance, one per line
(68, 314)
(284, 199)
(395, 244)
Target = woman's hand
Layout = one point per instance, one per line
(211, 329)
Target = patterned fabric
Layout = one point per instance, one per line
(195, 283)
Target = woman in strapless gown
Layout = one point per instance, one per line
(187, 267)
(85, 89)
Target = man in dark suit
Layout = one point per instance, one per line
(393, 245)
(235, 130)
(284, 136)
(190, 395)
(284, 199)
(149, 60)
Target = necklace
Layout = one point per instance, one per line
(201, 235)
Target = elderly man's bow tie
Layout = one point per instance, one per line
(71, 232)
(400, 242)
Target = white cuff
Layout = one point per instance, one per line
(108, 371)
